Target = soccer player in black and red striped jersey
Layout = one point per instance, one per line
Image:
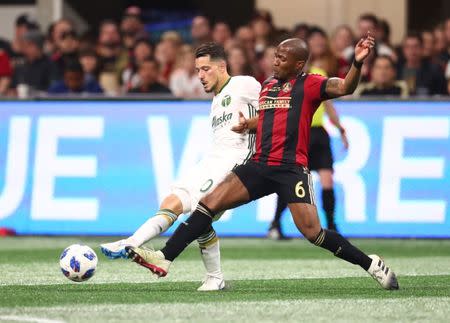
(287, 103)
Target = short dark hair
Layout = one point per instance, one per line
(370, 17)
(214, 50)
(316, 30)
(73, 65)
(151, 61)
(414, 34)
(388, 58)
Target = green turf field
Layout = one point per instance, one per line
(268, 281)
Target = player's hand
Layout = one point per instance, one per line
(364, 47)
(242, 126)
(344, 138)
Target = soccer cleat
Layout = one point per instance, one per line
(382, 273)
(212, 283)
(115, 250)
(150, 259)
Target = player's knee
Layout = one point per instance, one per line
(210, 202)
(173, 203)
(310, 232)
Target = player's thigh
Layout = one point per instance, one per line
(201, 180)
(306, 219)
(246, 183)
(295, 185)
(228, 194)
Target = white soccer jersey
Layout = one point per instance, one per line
(229, 148)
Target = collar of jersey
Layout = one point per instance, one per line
(228, 81)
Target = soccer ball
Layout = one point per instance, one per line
(78, 262)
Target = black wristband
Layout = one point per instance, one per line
(357, 65)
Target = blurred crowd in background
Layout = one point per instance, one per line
(120, 59)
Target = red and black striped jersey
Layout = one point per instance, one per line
(286, 109)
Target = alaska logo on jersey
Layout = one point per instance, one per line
(221, 120)
(226, 100)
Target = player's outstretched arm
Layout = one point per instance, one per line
(337, 87)
(245, 124)
(334, 119)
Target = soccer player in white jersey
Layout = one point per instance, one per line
(232, 96)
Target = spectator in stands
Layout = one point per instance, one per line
(67, 50)
(166, 54)
(200, 30)
(184, 82)
(369, 23)
(245, 38)
(74, 81)
(14, 51)
(383, 80)
(342, 44)
(60, 29)
(38, 71)
(90, 64)
(263, 30)
(445, 53)
(5, 72)
(265, 64)
(142, 50)
(131, 27)
(113, 58)
(148, 74)
(439, 40)
(301, 31)
(238, 62)
(221, 33)
(321, 55)
(428, 45)
(422, 76)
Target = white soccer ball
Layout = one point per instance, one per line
(78, 262)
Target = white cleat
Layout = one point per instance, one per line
(382, 273)
(150, 259)
(115, 250)
(212, 283)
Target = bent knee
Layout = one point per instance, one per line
(311, 233)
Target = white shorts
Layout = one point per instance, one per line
(205, 176)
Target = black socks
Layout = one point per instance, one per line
(188, 231)
(342, 248)
(328, 205)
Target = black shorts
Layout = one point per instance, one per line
(293, 184)
(320, 155)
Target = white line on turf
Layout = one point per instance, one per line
(27, 319)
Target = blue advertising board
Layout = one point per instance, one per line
(102, 167)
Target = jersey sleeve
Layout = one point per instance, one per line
(315, 86)
(250, 95)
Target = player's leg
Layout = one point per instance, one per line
(210, 252)
(230, 193)
(328, 197)
(182, 199)
(304, 212)
(170, 209)
(241, 186)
